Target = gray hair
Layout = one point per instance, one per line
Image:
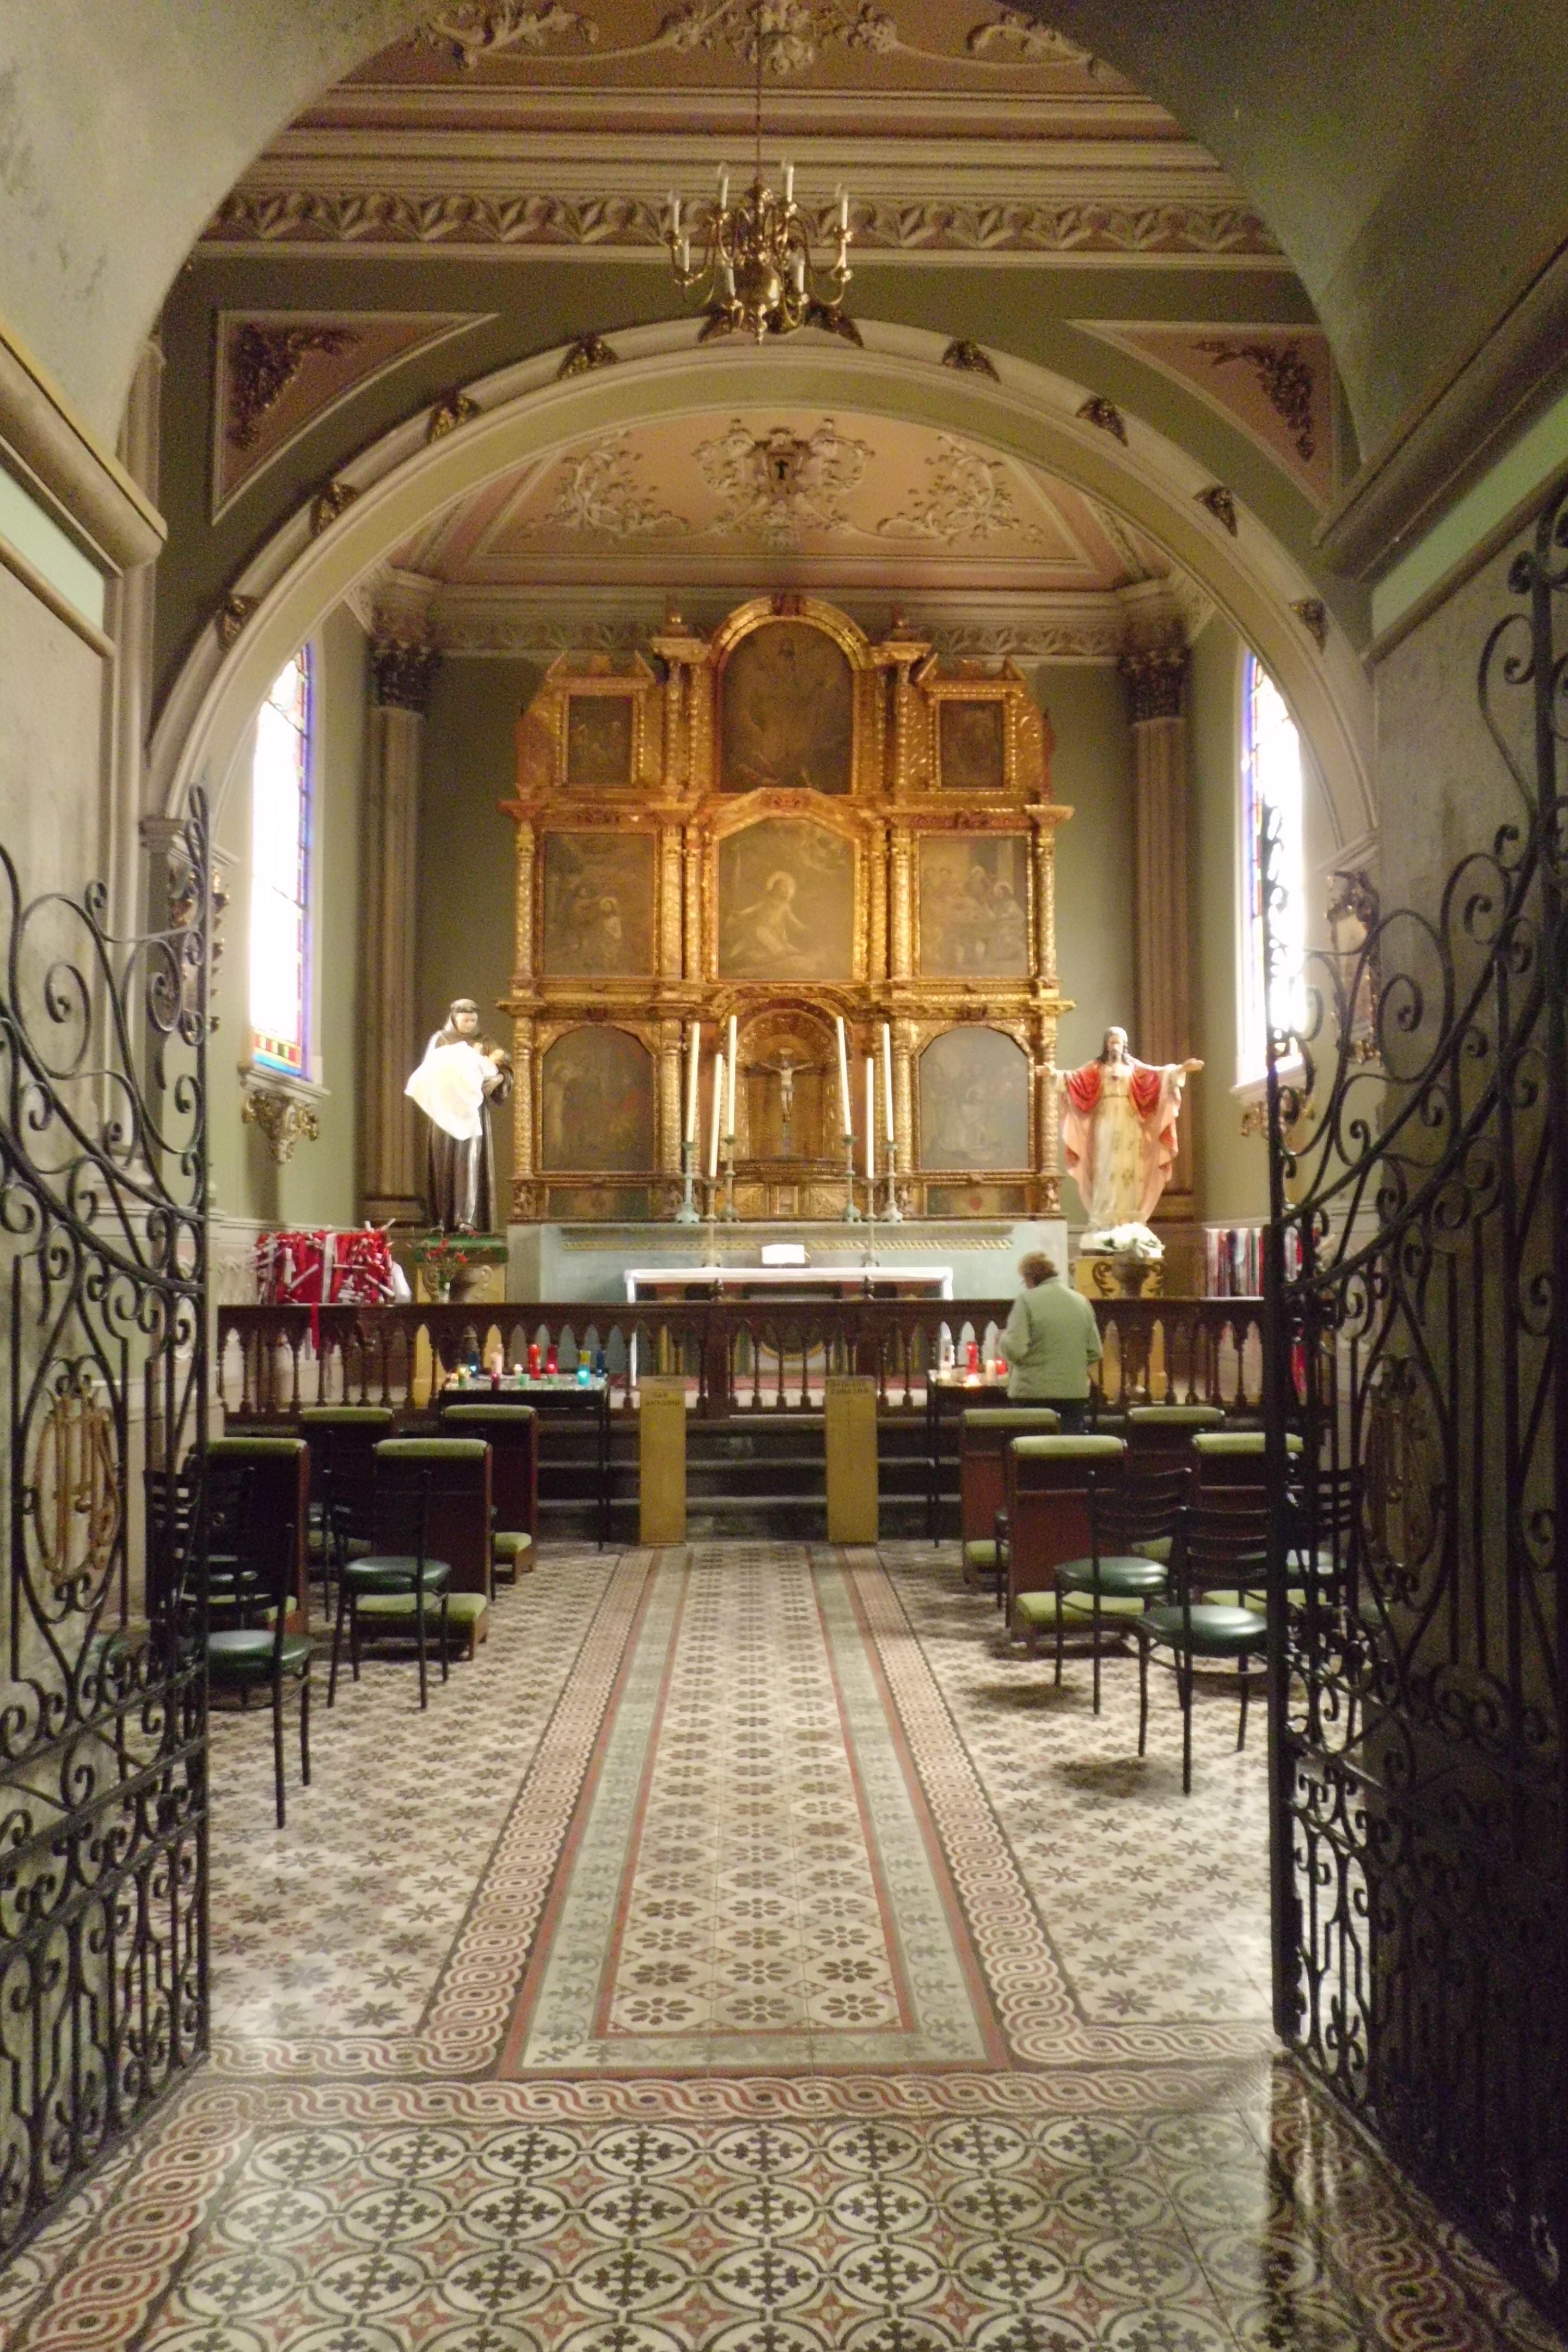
(1037, 1268)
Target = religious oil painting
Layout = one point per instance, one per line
(974, 1100)
(598, 904)
(788, 711)
(971, 745)
(974, 896)
(786, 903)
(596, 1092)
(599, 738)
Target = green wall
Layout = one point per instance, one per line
(1232, 1169)
(318, 1185)
(1091, 770)
(467, 853)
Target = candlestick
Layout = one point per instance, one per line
(851, 1214)
(887, 1075)
(694, 1040)
(730, 1082)
(730, 1213)
(870, 1121)
(847, 1121)
(687, 1213)
(892, 1214)
(717, 1107)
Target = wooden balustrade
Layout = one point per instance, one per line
(739, 1357)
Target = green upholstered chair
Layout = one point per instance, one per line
(342, 1439)
(1215, 1549)
(253, 1648)
(1169, 1428)
(402, 1583)
(512, 1433)
(1140, 1507)
(1235, 1458)
(1048, 1481)
(280, 1489)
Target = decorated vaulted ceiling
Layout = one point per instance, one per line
(794, 497)
(537, 122)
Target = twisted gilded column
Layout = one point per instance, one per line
(403, 672)
(1156, 679)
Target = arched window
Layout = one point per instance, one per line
(281, 874)
(1270, 782)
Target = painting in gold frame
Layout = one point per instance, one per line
(787, 902)
(788, 712)
(972, 743)
(974, 1100)
(598, 905)
(600, 734)
(974, 905)
(597, 1102)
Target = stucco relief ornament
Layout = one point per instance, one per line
(782, 486)
(472, 30)
(967, 497)
(601, 493)
(1285, 377)
(1028, 39)
(262, 362)
(791, 31)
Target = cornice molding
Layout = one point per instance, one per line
(1119, 200)
(56, 454)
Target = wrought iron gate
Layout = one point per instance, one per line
(103, 1951)
(1417, 1280)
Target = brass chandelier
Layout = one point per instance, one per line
(757, 274)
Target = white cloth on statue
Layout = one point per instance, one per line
(450, 1088)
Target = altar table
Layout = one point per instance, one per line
(828, 1281)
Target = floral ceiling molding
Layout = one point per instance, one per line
(279, 372)
(1276, 383)
(781, 484)
(793, 34)
(601, 492)
(966, 497)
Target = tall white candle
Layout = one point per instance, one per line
(789, 183)
(870, 1118)
(718, 1107)
(693, 1065)
(843, 210)
(730, 1095)
(887, 1075)
(843, 1074)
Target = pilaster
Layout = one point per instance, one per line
(1156, 679)
(403, 671)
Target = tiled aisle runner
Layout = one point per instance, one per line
(752, 1881)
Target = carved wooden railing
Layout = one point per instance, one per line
(739, 1357)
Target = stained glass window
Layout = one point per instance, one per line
(280, 873)
(1270, 782)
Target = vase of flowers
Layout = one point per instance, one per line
(440, 1261)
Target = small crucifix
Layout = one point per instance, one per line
(786, 1069)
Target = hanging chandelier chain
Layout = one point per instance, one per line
(757, 273)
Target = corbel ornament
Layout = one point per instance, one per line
(329, 503)
(1098, 411)
(453, 408)
(232, 615)
(284, 1120)
(1221, 504)
(969, 359)
(588, 353)
(1313, 616)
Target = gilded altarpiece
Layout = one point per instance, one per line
(785, 820)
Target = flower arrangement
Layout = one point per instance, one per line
(442, 1260)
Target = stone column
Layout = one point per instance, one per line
(403, 672)
(1156, 678)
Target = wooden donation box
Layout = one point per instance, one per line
(786, 823)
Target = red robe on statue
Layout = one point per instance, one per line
(1114, 1194)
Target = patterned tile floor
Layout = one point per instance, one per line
(678, 1810)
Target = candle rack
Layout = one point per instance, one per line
(687, 1213)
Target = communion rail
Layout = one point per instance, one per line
(737, 1357)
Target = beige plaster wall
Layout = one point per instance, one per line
(317, 1186)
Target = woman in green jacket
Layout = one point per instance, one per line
(1051, 1343)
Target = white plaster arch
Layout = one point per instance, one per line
(530, 411)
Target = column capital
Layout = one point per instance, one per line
(1156, 677)
(403, 670)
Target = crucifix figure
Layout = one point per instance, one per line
(786, 1069)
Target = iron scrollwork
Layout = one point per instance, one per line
(103, 1156)
(1418, 1257)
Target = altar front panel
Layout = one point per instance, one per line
(786, 823)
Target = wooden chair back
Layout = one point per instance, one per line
(1049, 1490)
(512, 1433)
(984, 1435)
(437, 1489)
(277, 1494)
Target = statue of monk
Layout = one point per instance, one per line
(461, 1074)
(1119, 1134)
